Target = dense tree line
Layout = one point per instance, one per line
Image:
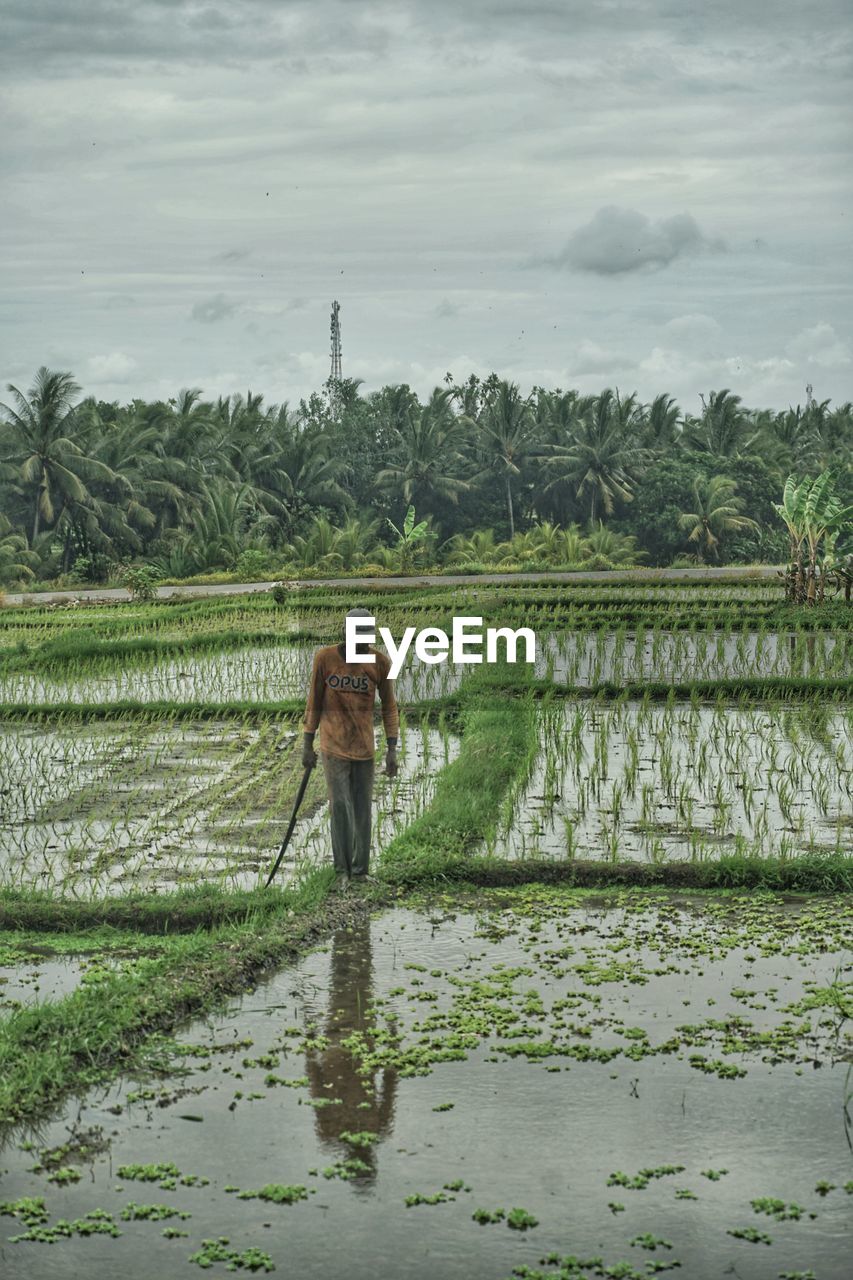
(191, 486)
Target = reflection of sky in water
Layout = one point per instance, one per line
(38, 979)
(519, 1132)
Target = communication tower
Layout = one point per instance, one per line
(335, 375)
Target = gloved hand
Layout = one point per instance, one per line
(391, 760)
(309, 755)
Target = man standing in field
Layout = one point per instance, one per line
(340, 704)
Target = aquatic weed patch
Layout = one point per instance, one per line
(276, 1193)
(528, 1004)
(217, 1250)
(643, 940)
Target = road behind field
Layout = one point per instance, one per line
(730, 573)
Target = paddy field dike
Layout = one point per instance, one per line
(591, 1019)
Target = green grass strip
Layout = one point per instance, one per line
(780, 688)
(808, 873)
(48, 1050)
(183, 910)
(499, 745)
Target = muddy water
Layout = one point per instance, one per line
(38, 979)
(604, 987)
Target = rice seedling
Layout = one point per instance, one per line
(687, 781)
(106, 807)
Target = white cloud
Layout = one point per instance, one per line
(591, 357)
(693, 330)
(819, 345)
(116, 367)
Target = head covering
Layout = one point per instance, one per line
(355, 613)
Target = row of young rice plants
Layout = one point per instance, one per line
(96, 838)
(235, 666)
(274, 671)
(686, 780)
(112, 806)
(557, 602)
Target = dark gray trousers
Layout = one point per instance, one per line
(350, 788)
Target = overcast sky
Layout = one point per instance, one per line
(652, 195)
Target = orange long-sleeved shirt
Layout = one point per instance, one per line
(341, 700)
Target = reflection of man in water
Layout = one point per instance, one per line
(366, 1102)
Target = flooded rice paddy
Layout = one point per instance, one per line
(271, 673)
(108, 807)
(685, 781)
(258, 673)
(538, 1084)
(585, 659)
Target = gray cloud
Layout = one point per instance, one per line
(211, 310)
(226, 33)
(229, 33)
(618, 240)
(416, 152)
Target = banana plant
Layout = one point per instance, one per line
(791, 509)
(824, 518)
(813, 514)
(408, 537)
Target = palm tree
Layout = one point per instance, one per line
(559, 417)
(16, 560)
(724, 430)
(792, 437)
(314, 472)
(318, 548)
(602, 457)
(395, 406)
(37, 441)
(476, 548)
(428, 462)
(663, 422)
(603, 544)
(835, 431)
(506, 435)
(356, 539)
(717, 512)
(221, 524)
(157, 487)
